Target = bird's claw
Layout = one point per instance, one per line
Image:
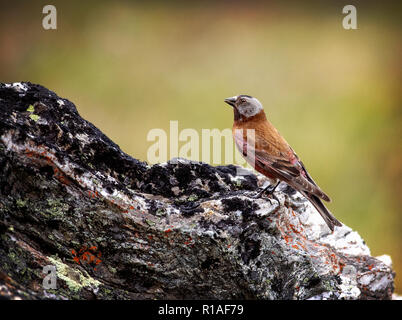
(269, 193)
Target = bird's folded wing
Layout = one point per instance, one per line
(290, 170)
(280, 165)
(293, 174)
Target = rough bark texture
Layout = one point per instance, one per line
(117, 228)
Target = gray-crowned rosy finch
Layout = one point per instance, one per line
(269, 153)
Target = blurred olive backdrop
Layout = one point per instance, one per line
(334, 94)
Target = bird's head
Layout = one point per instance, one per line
(244, 106)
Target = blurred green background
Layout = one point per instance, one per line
(334, 94)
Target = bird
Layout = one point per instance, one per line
(269, 153)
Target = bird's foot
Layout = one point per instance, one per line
(269, 190)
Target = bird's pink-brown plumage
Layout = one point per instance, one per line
(269, 153)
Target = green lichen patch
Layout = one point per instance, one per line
(33, 116)
(21, 203)
(150, 222)
(160, 213)
(193, 197)
(56, 208)
(75, 279)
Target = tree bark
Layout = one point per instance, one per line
(113, 227)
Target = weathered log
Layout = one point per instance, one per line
(117, 228)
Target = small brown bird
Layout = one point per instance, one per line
(269, 153)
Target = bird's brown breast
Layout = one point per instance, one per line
(267, 138)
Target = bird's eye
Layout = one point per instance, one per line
(242, 100)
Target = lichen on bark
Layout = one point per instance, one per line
(116, 228)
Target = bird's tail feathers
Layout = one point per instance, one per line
(328, 217)
(321, 194)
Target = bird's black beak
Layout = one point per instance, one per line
(231, 101)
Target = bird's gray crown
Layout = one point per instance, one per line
(246, 105)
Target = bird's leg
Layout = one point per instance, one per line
(259, 194)
(270, 192)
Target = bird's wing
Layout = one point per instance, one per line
(293, 172)
(286, 167)
(321, 194)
